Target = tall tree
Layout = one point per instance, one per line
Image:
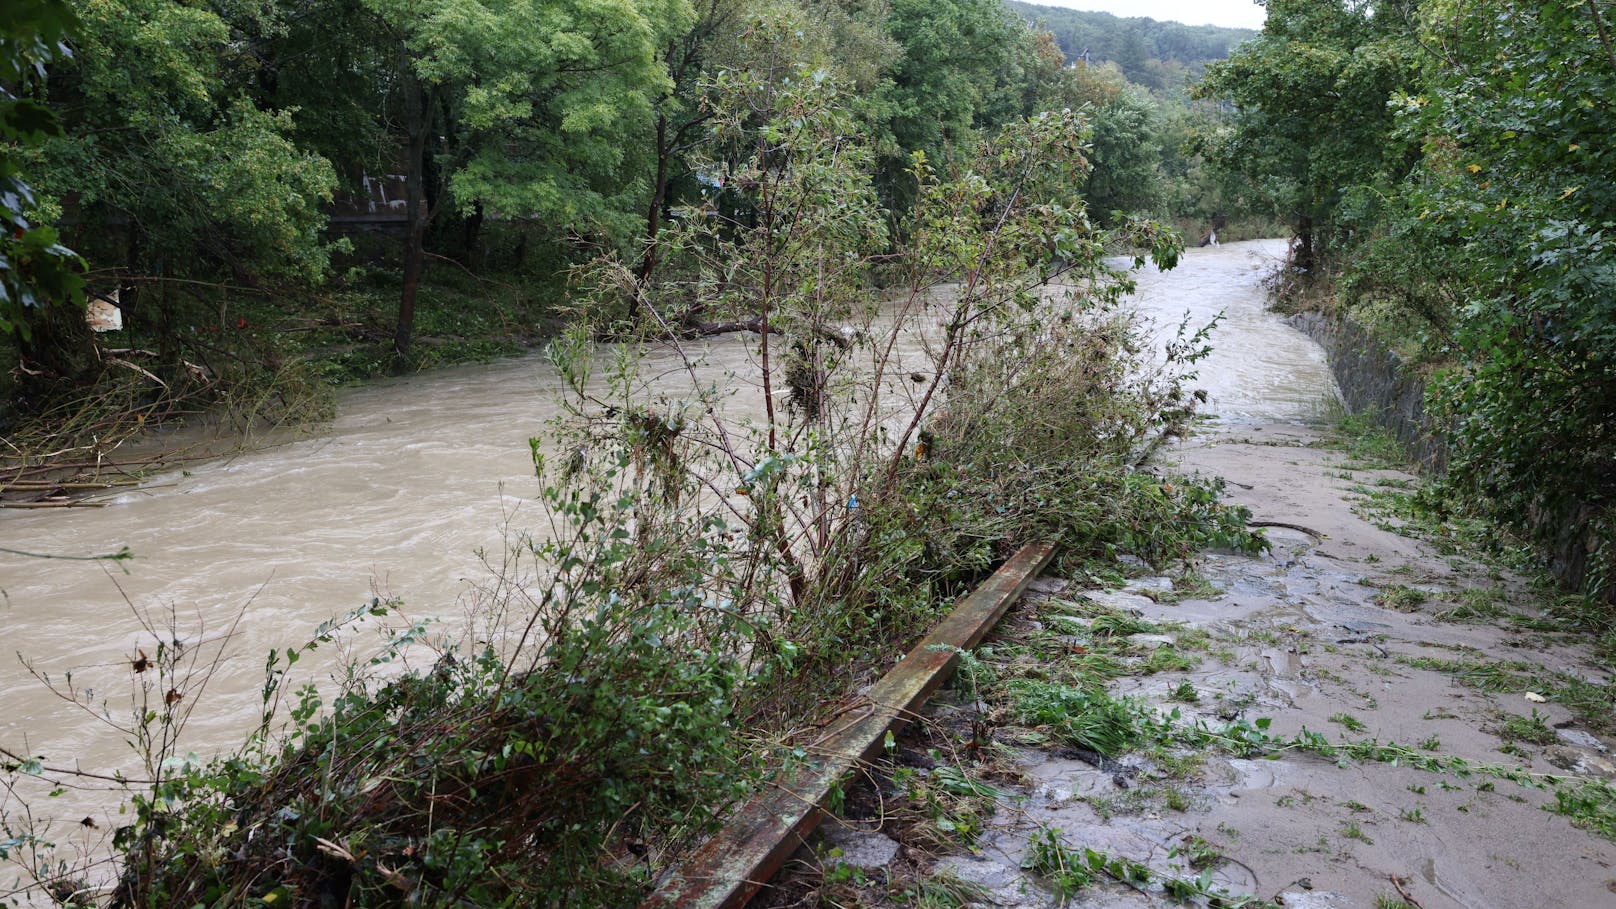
(1310, 105)
(678, 118)
(952, 52)
(166, 169)
(527, 109)
(842, 37)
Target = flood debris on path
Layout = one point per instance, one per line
(1352, 719)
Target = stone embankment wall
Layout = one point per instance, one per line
(1375, 380)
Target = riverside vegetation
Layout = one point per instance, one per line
(706, 577)
(707, 580)
(493, 147)
(1445, 171)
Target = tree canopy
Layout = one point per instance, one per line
(1455, 160)
(196, 152)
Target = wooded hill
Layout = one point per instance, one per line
(1158, 55)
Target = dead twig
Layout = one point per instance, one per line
(1403, 892)
(1297, 527)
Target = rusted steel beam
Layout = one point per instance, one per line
(731, 867)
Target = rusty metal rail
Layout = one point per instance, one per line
(731, 867)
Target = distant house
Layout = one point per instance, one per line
(380, 204)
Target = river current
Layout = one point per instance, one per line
(398, 496)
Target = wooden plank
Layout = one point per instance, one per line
(730, 868)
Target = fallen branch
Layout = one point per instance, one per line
(118, 556)
(1297, 527)
(128, 365)
(822, 332)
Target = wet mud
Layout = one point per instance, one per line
(1448, 718)
(1306, 641)
(1305, 638)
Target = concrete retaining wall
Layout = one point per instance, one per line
(1375, 380)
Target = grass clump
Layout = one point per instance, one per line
(1352, 723)
(1494, 676)
(1091, 719)
(943, 807)
(1402, 598)
(1165, 659)
(1185, 692)
(1533, 730)
(1590, 804)
(1367, 445)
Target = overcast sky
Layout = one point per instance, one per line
(1235, 13)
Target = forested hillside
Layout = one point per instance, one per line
(1447, 171)
(1159, 55)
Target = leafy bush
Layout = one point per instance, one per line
(512, 770)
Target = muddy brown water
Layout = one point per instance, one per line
(414, 478)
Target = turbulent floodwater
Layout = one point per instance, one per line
(414, 478)
(1260, 368)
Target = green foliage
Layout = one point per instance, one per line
(1042, 437)
(1089, 719)
(507, 770)
(1532, 730)
(1069, 870)
(949, 807)
(35, 269)
(172, 169)
(1157, 55)
(1310, 98)
(952, 51)
(546, 100)
(1456, 154)
(1517, 178)
(1590, 804)
(701, 565)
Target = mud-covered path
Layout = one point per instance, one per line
(1432, 651)
(1362, 635)
(1392, 726)
(1362, 720)
(1458, 720)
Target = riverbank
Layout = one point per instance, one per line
(261, 369)
(405, 494)
(1356, 718)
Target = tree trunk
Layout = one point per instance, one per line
(1303, 259)
(418, 120)
(653, 217)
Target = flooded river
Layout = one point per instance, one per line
(397, 497)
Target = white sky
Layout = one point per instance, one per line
(1232, 13)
